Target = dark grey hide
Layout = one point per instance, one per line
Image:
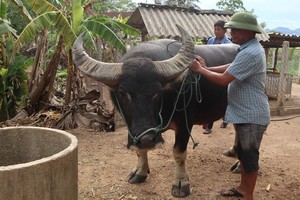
(141, 94)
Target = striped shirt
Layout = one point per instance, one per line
(247, 102)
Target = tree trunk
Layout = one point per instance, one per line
(70, 77)
(42, 90)
(37, 59)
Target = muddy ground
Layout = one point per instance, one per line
(104, 163)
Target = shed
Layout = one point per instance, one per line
(160, 20)
(273, 77)
(275, 41)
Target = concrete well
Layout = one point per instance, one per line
(38, 164)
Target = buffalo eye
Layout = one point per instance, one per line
(124, 96)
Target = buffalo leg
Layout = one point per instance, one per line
(139, 173)
(181, 185)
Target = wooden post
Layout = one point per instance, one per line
(273, 65)
(267, 55)
(282, 78)
(299, 68)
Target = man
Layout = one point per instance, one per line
(219, 38)
(219, 31)
(248, 108)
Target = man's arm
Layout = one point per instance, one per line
(218, 69)
(217, 74)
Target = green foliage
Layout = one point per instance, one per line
(6, 28)
(182, 3)
(77, 18)
(62, 73)
(103, 27)
(17, 6)
(236, 6)
(41, 6)
(3, 10)
(44, 21)
(263, 24)
(19, 14)
(107, 29)
(293, 60)
(13, 86)
(5, 25)
(114, 5)
(18, 21)
(231, 5)
(13, 77)
(198, 40)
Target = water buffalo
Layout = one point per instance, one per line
(154, 91)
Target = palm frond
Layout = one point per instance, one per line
(105, 33)
(6, 28)
(64, 28)
(41, 6)
(42, 22)
(116, 24)
(88, 38)
(22, 8)
(77, 16)
(125, 28)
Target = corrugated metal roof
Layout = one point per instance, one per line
(276, 40)
(161, 20)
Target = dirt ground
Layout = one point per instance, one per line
(104, 163)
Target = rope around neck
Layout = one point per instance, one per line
(189, 80)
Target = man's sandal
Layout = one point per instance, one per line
(231, 193)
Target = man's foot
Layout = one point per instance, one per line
(207, 131)
(223, 125)
(231, 193)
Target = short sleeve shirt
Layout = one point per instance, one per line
(247, 101)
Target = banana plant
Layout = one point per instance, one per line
(100, 26)
(55, 20)
(13, 77)
(13, 87)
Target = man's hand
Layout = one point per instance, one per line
(198, 64)
(201, 61)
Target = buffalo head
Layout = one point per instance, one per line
(137, 86)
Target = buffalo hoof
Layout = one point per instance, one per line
(181, 191)
(134, 178)
(236, 167)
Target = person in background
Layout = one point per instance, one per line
(248, 108)
(219, 31)
(219, 38)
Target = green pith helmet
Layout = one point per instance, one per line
(244, 20)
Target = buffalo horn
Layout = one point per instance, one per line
(107, 73)
(174, 66)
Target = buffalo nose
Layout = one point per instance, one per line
(147, 140)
